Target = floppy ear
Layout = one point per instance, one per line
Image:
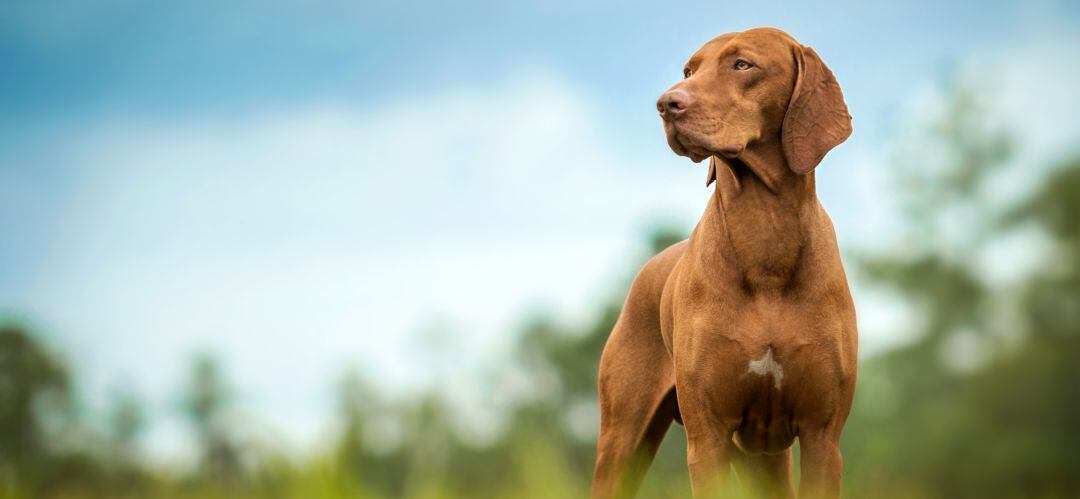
(712, 171)
(817, 119)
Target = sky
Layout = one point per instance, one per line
(304, 188)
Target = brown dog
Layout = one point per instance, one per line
(750, 321)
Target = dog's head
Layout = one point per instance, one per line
(758, 86)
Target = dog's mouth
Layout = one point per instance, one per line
(695, 145)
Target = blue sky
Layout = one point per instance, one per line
(308, 186)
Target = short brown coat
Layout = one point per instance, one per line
(746, 331)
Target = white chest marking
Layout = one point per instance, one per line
(767, 365)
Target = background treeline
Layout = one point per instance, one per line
(981, 399)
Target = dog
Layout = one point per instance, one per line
(745, 332)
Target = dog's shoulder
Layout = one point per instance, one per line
(664, 261)
(650, 280)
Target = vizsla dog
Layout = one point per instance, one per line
(745, 332)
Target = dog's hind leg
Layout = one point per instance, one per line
(637, 384)
(637, 405)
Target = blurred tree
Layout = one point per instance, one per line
(126, 419)
(365, 467)
(207, 401)
(979, 404)
(34, 391)
(354, 405)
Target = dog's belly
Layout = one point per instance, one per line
(766, 427)
(757, 436)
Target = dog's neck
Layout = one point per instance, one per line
(760, 219)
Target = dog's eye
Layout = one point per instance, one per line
(742, 65)
(686, 72)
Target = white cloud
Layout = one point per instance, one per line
(301, 241)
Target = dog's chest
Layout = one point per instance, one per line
(769, 367)
(773, 352)
(766, 393)
(772, 391)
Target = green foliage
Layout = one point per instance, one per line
(927, 422)
(206, 404)
(34, 393)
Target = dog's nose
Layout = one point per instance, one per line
(673, 103)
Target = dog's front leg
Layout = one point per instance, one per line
(710, 404)
(709, 453)
(821, 463)
(708, 436)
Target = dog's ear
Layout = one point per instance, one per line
(817, 118)
(712, 171)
